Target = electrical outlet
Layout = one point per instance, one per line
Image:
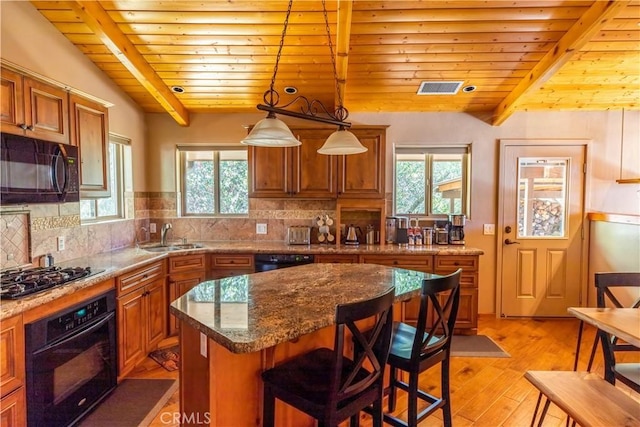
(152, 227)
(261, 228)
(60, 243)
(489, 229)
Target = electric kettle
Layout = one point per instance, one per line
(352, 235)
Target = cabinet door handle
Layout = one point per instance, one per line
(30, 127)
(22, 126)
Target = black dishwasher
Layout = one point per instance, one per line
(266, 262)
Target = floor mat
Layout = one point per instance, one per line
(168, 358)
(135, 402)
(475, 346)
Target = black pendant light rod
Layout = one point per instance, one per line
(305, 116)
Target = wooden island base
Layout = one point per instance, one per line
(225, 389)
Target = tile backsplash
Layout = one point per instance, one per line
(30, 231)
(14, 239)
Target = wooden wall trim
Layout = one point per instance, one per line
(619, 218)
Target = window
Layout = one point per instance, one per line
(213, 181)
(431, 181)
(107, 208)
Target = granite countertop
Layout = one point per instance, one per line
(115, 263)
(252, 312)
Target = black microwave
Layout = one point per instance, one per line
(36, 171)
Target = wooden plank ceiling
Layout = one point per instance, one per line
(520, 55)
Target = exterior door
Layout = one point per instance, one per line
(541, 241)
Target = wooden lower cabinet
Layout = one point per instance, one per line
(13, 409)
(12, 355)
(142, 319)
(467, 320)
(229, 265)
(185, 272)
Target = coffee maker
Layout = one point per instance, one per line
(456, 229)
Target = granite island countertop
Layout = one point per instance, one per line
(117, 262)
(252, 312)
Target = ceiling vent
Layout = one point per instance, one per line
(439, 88)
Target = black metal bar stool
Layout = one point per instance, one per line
(329, 385)
(416, 349)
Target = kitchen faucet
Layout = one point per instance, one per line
(163, 233)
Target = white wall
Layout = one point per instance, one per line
(32, 42)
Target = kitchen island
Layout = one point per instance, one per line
(232, 329)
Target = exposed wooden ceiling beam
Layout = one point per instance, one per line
(593, 20)
(343, 35)
(94, 16)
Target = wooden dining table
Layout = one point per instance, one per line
(623, 323)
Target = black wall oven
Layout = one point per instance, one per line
(36, 171)
(71, 362)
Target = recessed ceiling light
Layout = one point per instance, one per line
(291, 90)
(468, 88)
(177, 89)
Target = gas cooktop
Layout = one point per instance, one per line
(18, 283)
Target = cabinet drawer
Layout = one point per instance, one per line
(140, 277)
(444, 263)
(423, 262)
(186, 263)
(338, 258)
(231, 261)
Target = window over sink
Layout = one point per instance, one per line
(431, 181)
(213, 181)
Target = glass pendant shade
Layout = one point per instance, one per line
(342, 142)
(271, 132)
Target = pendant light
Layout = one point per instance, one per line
(272, 132)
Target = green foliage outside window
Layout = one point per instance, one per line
(215, 182)
(437, 175)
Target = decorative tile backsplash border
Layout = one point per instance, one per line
(52, 222)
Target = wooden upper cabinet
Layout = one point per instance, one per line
(294, 171)
(90, 132)
(34, 108)
(268, 171)
(301, 172)
(361, 176)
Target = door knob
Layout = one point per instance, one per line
(510, 242)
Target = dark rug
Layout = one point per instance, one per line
(168, 358)
(133, 403)
(475, 346)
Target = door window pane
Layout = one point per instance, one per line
(542, 197)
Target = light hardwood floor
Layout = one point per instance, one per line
(485, 391)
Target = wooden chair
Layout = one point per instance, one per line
(628, 373)
(327, 384)
(414, 350)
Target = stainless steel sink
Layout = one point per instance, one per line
(168, 248)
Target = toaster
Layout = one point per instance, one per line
(299, 235)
